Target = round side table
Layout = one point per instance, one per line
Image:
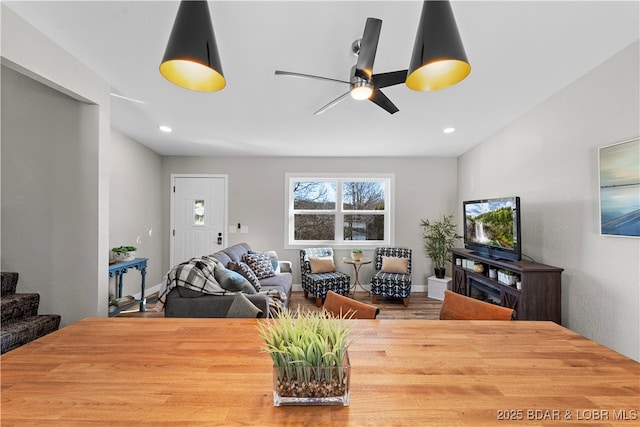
(356, 266)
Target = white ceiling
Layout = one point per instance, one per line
(521, 53)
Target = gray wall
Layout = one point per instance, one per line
(55, 131)
(549, 157)
(425, 188)
(46, 220)
(135, 216)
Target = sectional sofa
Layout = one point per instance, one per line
(183, 302)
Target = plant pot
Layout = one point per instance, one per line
(312, 385)
(440, 272)
(356, 256)
(124, 256)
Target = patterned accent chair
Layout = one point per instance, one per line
(318, 284)
(391, 284)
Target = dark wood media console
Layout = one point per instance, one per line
(538, 298)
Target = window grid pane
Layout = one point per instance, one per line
(363, 227)
(314, 227)
(314, 195)
(363, 196)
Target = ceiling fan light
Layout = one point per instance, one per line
(360, 89)
(439, 59)
(361, 92)
(191, 59)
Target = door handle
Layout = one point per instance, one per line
(219, 238)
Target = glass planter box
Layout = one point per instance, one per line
(311, 385)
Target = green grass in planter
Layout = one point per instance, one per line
(303, 344)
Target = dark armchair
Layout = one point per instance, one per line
(319, 274)
(393, 274)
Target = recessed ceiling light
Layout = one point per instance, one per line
(166, 129)
(449, 130)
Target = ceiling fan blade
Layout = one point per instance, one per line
(308, 76)
(368, 47)
(381, 100)
(389, 79)
(332, 103)
(126, 98)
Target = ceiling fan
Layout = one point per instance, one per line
(363, 83)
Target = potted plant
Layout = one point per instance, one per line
(439, 237)
(356, 254)
(124, 253)
(310, 358)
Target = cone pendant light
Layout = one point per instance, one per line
(438, 60)
(191, 59)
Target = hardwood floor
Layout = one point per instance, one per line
(420, 306)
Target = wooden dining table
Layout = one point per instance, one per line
(208, 372)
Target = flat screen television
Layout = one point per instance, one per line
(492, 227)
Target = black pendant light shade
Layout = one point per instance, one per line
(438, 60)
(191, 59)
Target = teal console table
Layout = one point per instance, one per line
(118, 270)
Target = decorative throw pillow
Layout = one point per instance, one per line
(260, 264)
(232, 281)
(275, 262)
(246, 272)
(395, 265)
(242, 307)
(273, 257)
(322, 265)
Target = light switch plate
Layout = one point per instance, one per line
(244, 229)
(232, 229)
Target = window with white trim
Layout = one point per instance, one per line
(339, 210)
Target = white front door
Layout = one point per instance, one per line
(199, 216)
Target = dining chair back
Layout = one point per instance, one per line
(460, 307)
(342, 306)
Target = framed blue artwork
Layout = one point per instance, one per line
(620, 189)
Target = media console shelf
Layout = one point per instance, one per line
(537, 299)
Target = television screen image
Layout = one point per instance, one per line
(492, 227)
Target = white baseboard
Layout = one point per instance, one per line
(149, 290)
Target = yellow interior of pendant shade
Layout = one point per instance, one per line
(438, 75)
(192, 75)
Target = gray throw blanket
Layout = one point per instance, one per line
(197, 274)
